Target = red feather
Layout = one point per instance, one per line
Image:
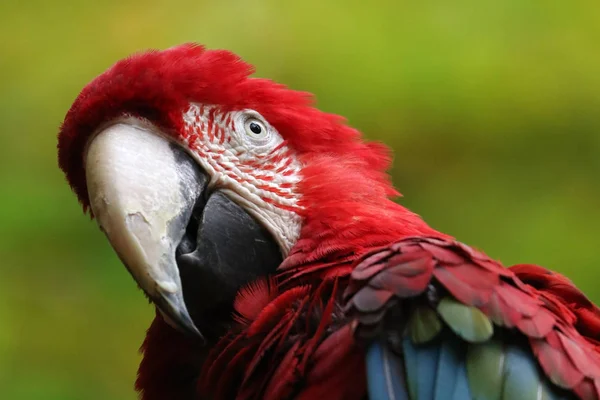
(338, 371)
(588, 390)
(281, 382)
(500, 311)
(462, 280)
(555, 362)
(580, 356)
(252, 299)
(537, 326)
(169, 375)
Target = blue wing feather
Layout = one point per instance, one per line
(462, 390)
(427, 360)
(385, 373)
(524, 380)
(435, 371)
(438, 371)
(451, 377)
(521, 376)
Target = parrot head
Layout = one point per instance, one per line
(205, 179)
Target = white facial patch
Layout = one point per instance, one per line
(249, 160)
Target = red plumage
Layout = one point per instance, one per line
(359, 254)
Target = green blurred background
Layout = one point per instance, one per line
(492, 110)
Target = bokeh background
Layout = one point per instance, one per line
(491, 107)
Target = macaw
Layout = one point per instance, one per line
(265, 233)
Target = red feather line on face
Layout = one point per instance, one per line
(236, 162)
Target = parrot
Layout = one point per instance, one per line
(268, 237)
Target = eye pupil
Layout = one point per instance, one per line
(255, 128)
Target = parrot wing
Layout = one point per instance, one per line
(443, 321)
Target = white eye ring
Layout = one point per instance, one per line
(255, 128)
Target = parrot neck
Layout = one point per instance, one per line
(330, 240)
(347, 210)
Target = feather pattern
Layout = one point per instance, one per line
(434, 371)
(471, 328)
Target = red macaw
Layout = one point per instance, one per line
(263, 231)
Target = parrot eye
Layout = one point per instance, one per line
(255, 128)
(254, 132)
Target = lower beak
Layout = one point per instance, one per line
(190, 250)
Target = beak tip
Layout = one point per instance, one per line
(173, 309)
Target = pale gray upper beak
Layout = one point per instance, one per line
(142, 192)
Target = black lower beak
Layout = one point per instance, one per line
(231, 249)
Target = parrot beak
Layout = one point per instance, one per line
(190, 249)
(142, 192)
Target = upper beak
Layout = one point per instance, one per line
(142, 191)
